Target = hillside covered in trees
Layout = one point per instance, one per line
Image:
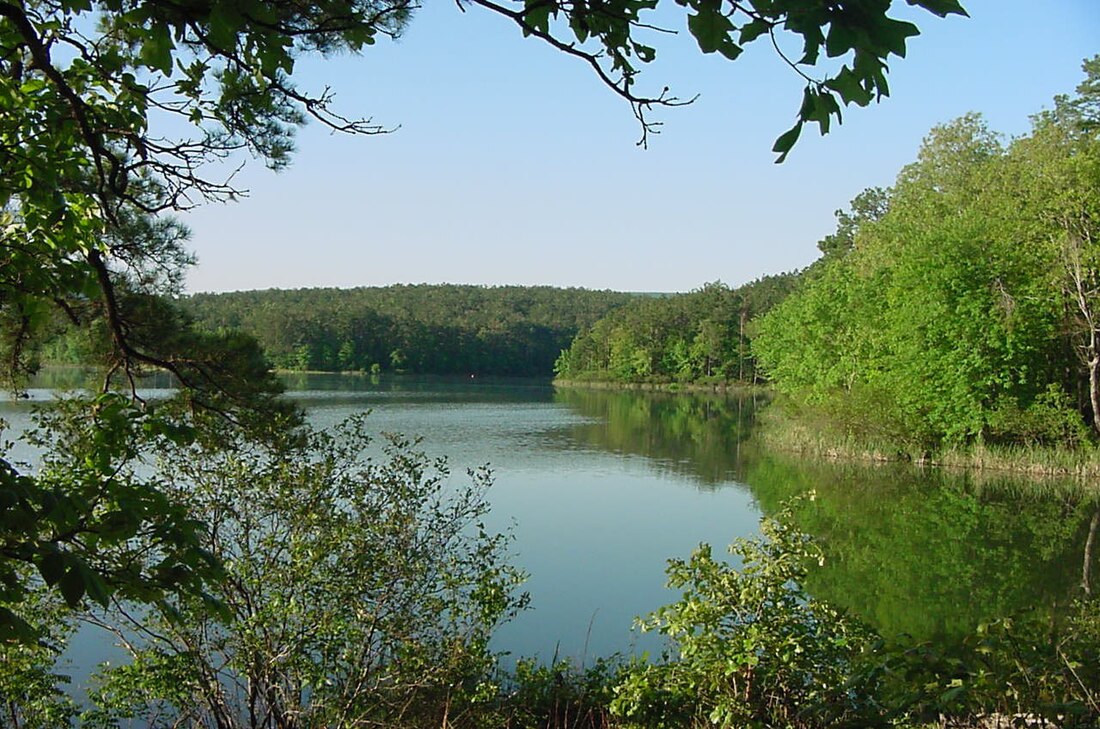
(438, 329)
(702, 336)
(963, 306)
(959, 306)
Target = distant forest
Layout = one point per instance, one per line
(437, 329)
(524, 331)
(701, 337)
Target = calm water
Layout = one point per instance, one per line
(600, 488)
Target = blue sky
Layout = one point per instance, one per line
(511, 164)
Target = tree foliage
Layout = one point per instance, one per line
(748, 647)
(704, 336)
(116, 111)
(961, 311)
(444, 329)
(618, 38)
(359, 589)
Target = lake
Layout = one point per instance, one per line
(600, 488)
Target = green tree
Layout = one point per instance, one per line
(953, 313)
(89, 161)
(866, 207)
(1056, 171)
(747, 646)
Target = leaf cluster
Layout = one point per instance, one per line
(92, 523)
(750, 648)
(615, 39)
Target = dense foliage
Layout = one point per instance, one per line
(965, 307)
(750, 648)
(703, 336)
(437, 329)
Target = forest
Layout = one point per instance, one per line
(962, 308)
(423, 329)
(701, 337)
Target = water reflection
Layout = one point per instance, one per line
(695, 436)
(927, 553)
(603, 486)
(932, 553)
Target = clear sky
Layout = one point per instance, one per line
(511, 164)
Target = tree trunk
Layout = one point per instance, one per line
(1094, 387)
(1090, 543)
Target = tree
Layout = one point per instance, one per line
(1057, 174)
(866, 207)
(87, 158)
(953, 314)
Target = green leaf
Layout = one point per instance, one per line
(13, 627)
(840, 39)
(851, 90)
(942, 8)
(72, 586)
(579, 24)
(95, 586)
(753, 30)
(786, 141)
(710, 28)
(223, 26)
(894, 33)
(156, 49)
(52, 567)
(537, 16)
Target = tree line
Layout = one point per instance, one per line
(436, 329)
(702, 336)
(960, 305)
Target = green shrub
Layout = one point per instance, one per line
(748, 647)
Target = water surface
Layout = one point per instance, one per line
(600, 488)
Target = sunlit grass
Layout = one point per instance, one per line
(1049, 464)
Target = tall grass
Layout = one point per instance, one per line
(816, 437)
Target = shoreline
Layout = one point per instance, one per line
(670, 387)
(1035, 462)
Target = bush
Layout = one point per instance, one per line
(1050, 420)
(357, 592)
(749, 647)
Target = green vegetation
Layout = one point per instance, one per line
(113, 115)
(261, 575)
(447, 329)
(358, 591)
(749, 647)
(930, 553)
(701, 337)
(962, 309)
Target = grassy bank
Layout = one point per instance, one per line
(780, 430)
(721, 386)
